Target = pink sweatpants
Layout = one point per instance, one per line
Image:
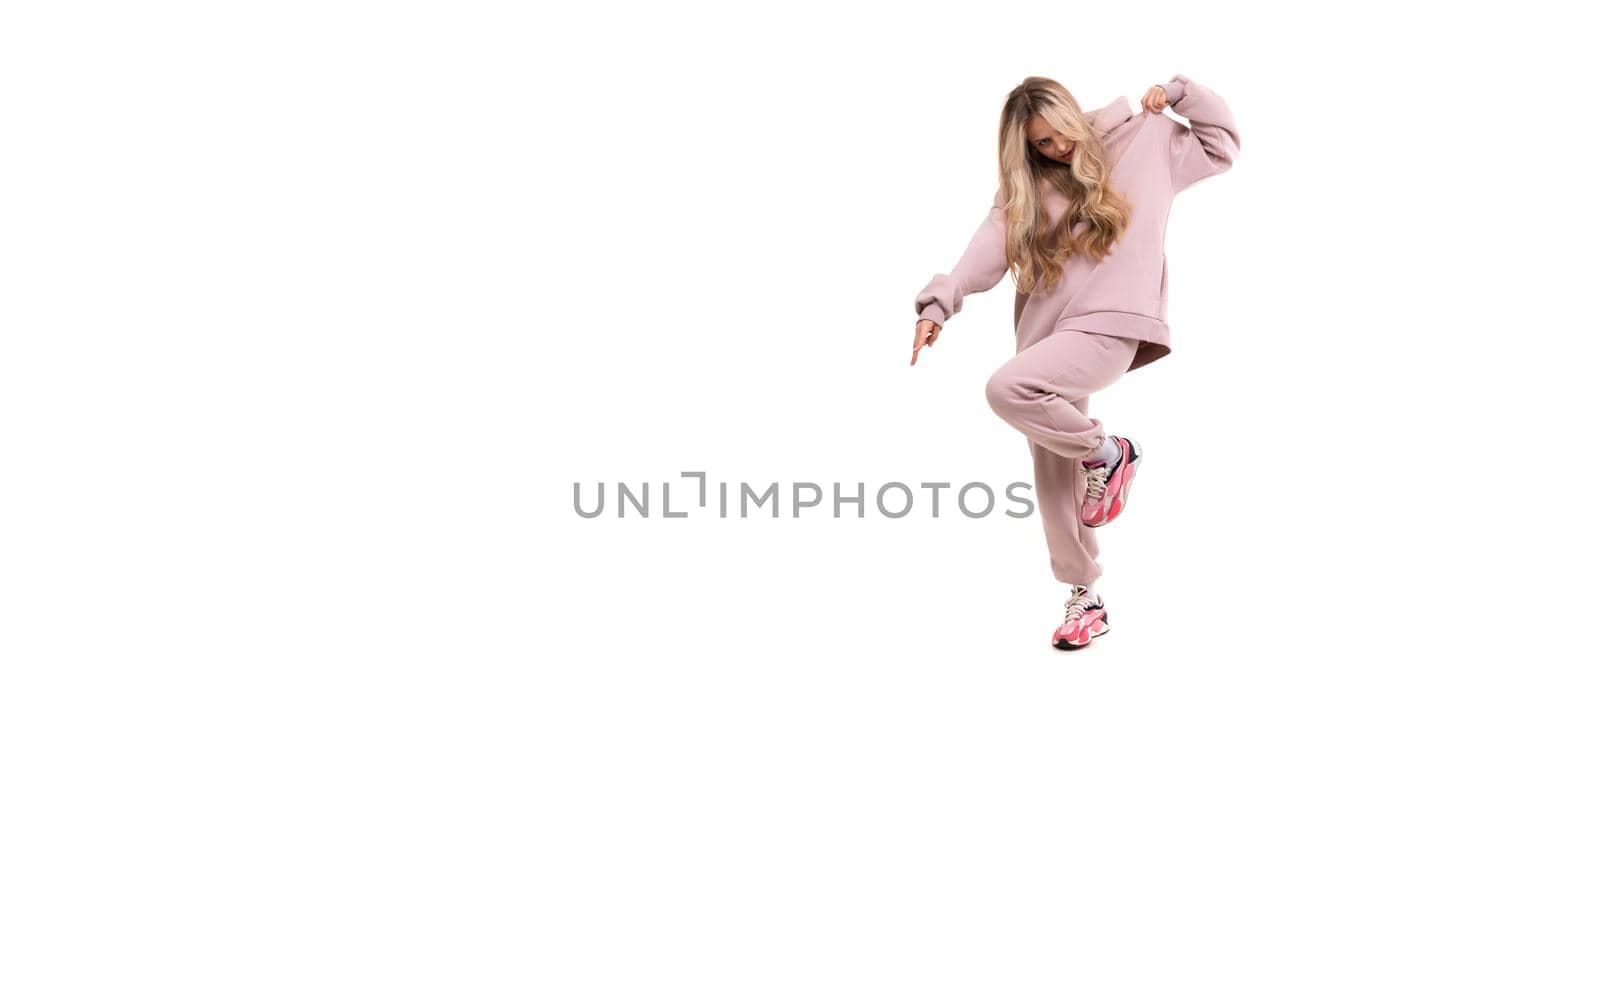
(1044, 392)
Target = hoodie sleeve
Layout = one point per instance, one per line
(1211, 141)
(980, 267)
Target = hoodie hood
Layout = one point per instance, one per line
(1111, 116)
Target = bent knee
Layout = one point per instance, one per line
(1002, 391)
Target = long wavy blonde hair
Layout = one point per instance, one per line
(1035, 250)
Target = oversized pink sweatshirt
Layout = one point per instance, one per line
(1125, 294)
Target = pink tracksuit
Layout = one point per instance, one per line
(1103, 318)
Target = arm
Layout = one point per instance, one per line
(981, 266)
(1211, 141)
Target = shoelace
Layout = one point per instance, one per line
(1097, 480)
(1078, 604)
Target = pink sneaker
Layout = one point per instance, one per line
(1107, 494)
(1086, 619)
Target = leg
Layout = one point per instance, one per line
(1036, 390)
(1074, 547)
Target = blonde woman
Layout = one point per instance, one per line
(1080, 221)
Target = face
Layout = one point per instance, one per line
(1048, 141)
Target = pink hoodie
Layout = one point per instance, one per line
(1125, 295)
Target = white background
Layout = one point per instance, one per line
(314, 314)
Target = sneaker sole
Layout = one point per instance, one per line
(1069, 645)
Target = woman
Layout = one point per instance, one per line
(1080, 220)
